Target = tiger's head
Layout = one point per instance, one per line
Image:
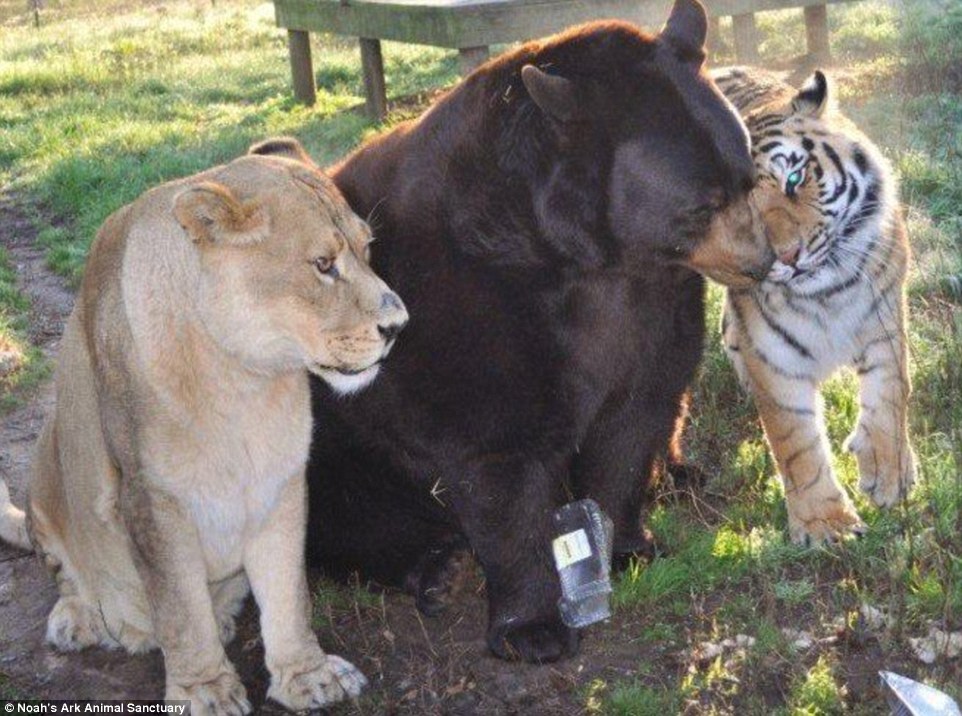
(822, 186)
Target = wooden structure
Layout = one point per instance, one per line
(471, 26)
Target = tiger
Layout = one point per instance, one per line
(835, 297)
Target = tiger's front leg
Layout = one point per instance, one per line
(790, 408)
(880, 441)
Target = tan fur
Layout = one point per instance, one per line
(726, 256)
(846, 311)
(169, 479)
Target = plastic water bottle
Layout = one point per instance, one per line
(582, 556)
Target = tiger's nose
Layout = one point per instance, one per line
(789, 257)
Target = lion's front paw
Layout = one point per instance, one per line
(136, 641)
(74, 625)
(886, 472)
(321, 685)
(813, 522)
(223, 695)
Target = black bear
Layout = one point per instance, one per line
(545, 222)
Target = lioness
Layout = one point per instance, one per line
(170, 478)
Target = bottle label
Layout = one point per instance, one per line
(570, 548)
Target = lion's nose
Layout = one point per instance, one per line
(390, 331)
(391, 300)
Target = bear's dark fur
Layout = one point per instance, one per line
(534, 230)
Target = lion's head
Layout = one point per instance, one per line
(284, 279)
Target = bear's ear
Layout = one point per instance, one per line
(283, 147)
(555, 95)
(686, 29)
(210, 213)
(814, 97)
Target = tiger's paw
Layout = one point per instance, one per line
(826, 521)
(886, 472)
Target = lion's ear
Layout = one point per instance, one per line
(209, 212)
(283, 147)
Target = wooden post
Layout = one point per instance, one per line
(472, 57)
(302, 70)
(372, 62)
(746, 43)
(816, 31)
(714, 34)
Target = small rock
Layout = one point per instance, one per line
(937, 645)
(873, 618)
(798, 639)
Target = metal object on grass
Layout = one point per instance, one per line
(910, 698)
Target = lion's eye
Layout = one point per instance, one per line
(325, 266)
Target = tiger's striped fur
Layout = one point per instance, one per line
(835, 298)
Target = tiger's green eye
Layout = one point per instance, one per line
(793, 180)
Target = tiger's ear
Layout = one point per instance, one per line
(555, 95)
(210, 213)
(283, 147)
(813, 98)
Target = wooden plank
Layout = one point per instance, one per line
(479, 23)
(462, 25)
(302, 69)
(746, 42)
(471, 58)
(816, 31)
(372, 62)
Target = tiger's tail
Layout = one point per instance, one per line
(13, 521)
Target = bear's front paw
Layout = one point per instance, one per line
(224, 695)
(300, 687)
(538, 642)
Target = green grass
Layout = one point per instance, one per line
(22, 365)
(94, 112)
(104, 101)
(817, 692)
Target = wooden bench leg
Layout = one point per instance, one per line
(372, 61)
(302, 70)
(471, 58)
(816, 30)
(746, 42)
(714, 34)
